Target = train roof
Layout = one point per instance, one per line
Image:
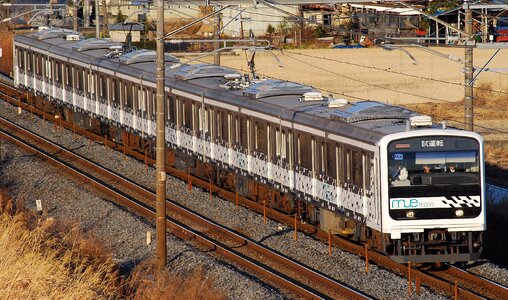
(366, 121)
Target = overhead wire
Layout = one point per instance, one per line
(365, 82)
(396, 72)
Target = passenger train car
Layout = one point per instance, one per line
(376, 172)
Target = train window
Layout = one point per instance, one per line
(237, 129)
(204, 119)
(115, 91)
(171, 108)
(30, 60)
(281, 143)
(20, 59)
(339, 154)
(357, 165)
(270, 141)
(148, 99)
(243, 132)
(195, 119)
(141, 99)
(348, 164)
(38, 64)
(88, 80)
(368, 158)
(231, 128)
(68, 75)
(260, 137)
(178, 105)
(218, 125)
(223, 125)
(80, 79)
(330, 160)
(129, 95)
(153, 101)
(305, 151)
(58, 72)
(47, 68)
(187, 114)
(212, 123)
(278, 142)
(103, 90)
(291, 149)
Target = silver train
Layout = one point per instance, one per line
(379, 173)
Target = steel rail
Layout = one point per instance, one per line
(480, 285)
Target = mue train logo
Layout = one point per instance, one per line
(411, 203)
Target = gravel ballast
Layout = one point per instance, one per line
(125, 233)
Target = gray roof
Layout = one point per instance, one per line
(364, 121)
(126, 27)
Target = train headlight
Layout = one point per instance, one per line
(410, 214)
(459, 213)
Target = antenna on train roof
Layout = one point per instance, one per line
(251, 63)
(252, 68)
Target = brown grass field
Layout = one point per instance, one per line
(43, 258)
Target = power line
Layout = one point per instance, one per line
(396, 72)
(464, 123)
(365, 82)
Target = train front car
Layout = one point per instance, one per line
(433, 200)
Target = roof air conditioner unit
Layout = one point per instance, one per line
(335, 103)
(312, 96)
(232, 77)
(420, 121)
(72, 37)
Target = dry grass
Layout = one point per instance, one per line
(43, 259)
(142, 284)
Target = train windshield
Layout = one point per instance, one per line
(433, 167)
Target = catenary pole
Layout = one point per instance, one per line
(469, 68)
(160, 142)
(75, 16)
(97, 24)
(216, 29)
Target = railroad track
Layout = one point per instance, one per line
(479, 286)
(444, 284)
(184, 223)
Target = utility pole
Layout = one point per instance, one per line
(469, 68)
(104, 18)
(216, 45)
(75, 16)
(97, 22)
(301, 24)
(86, 13)
(241, 28)
(160, 142)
